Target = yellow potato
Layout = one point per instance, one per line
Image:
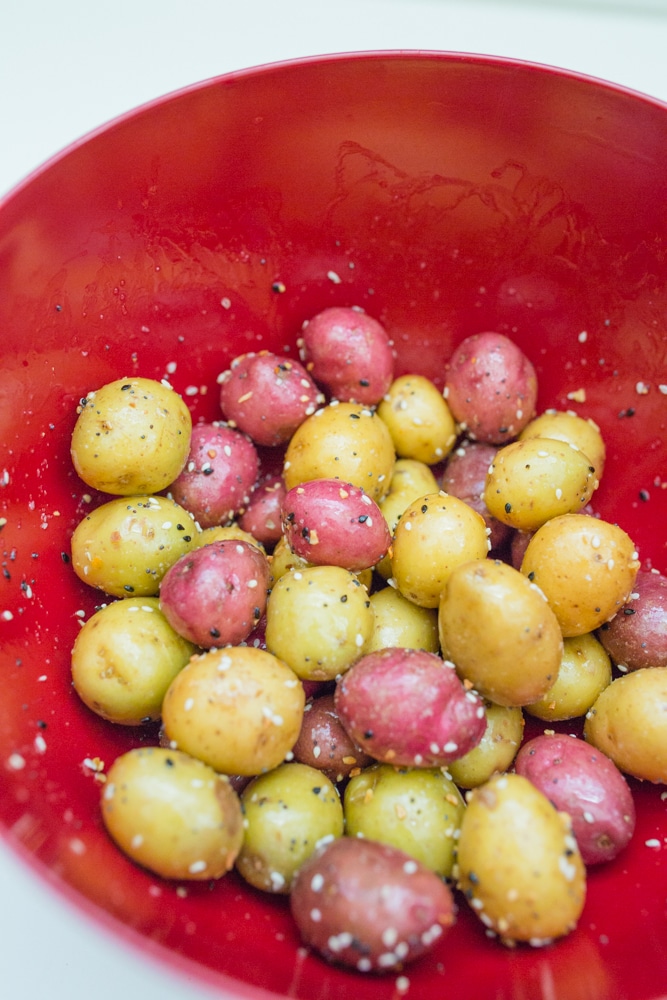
(172, 814)
(500, 632)
(628, 723)
(131, 436)
(221, 532)
(238, 709)
(533, 480)
(419, 420)
(401, 623)
(342, 441)
(585, 671)
(565, 425)
(518, 863)
(412, 476)
(496, 751)
(435, 534)
(586, 567)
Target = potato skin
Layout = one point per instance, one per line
(216, 595)
(267, 396)
(124, 659)
(565, 425)
(399, 622)
(243, 692)
(325, 744)
(637, 636)
(172, 814)
(519, 866)
(131, 436)
(628, 723)
(349, 353)
(491, 387)
(465, 477)
(500, 632)
(261, 517)
(407, 707)
(369, 906)
(584, 783)
(419, 420)
(586, 568)
(584, 671)
(332, 523)
(495, 751)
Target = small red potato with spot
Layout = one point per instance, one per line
(331, 523)
(349, 353)
(407, 707)
(216, 595)
(583, 782)
(369, 906)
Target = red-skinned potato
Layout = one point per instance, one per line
(219, 474)
(331, 523)
(267, 396)
(465, 477)
(261, 516)
(584, 783)
(349, 353)
(369, 906)
(637, 636)
(407, 707)
(324, 743)
(216, 595)
(491, 387)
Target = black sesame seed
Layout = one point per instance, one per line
(508, 508)
(627, 611)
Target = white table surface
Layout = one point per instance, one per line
(68, 66)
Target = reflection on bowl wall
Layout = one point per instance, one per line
(446, 195)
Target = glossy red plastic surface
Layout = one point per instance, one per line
(445, 194)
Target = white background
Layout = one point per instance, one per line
(68, 66)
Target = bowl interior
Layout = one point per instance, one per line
(444, 194)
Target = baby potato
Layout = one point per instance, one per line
(124, 659)
(325, 744)
(465, 477)
(408, 708)
(628, 723)
(417, 810)
(239, 709)
(585, 671)
(419, 420)
(172, 814)
(565, 425)
(500, 632)
(369, 906)
(223, 532)
(342, 441)
(126, 546)
(519, 866)
(637, 636)
(410, 476)
(399, 622)
(585, 566)
(495, 751)
(585, 784)
(333, 523)
(319, 621)
(533, 480)
(288, 813)
(261, 517)
(435, 534)
(132, 436)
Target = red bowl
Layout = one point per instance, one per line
(446, 194)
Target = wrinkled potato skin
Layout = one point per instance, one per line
(408, 708)
(132, 436)
(369, 906)
(342, 441)
(399, 622)
(585, 784)
(500, 632)
(586, 568)
(124, 659)
(565, 425)
(417, 810)
(495, 751)
(419, 420)
(172, 814)
(125, 546)
(287, 812)
(628, 723)
(585, 671)
(239, 709)
(519, 866)
(319, 621)
(637, 636)
(531, 481)
(435, 534)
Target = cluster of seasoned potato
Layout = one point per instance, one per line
(343, 656)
